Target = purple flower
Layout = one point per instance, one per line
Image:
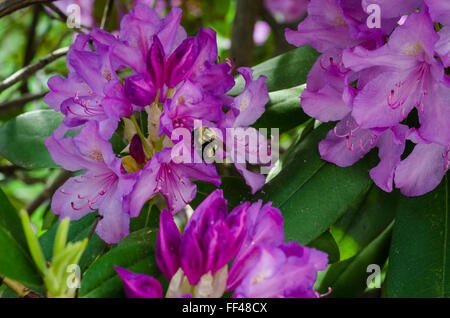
(176, 80)
(266, 266)
(101, 187)
(261, 32)
(327, 83)
(190, 103)
(196, 261)
(137, 31)
(245, 109)
(371, 88)
(212, 237)
(215, 78)
(347, 143)
(394, 8)
(80, 96)
(86, 10)
(287, 10)
(423, 170)
(156, 63)
(162, 175)
(334, 24)
(264, 226)
(443, 45)
(328, 97)
(168, 245)
(210, 240)
(139, 90)
(407, 76)
(440, 12)
(139, 285)
(161, 55)
(287, 271)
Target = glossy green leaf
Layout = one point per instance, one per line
(136, 253)
(10, 221)
(149, 217)
(327, 244)
(15, 261)
(365, 221)
(283, 111)
(22, 139)
(311, 193)
(284, 71)
(419, 262)
(349, 278)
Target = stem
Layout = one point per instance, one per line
(97, 219)
(19, 289)
(30, 69)
(9, 6)
(8, 106)
(148, 150)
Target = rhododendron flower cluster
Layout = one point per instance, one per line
(170, 81)
(376, 81)
(196, 262)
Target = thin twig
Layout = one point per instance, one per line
(9, 6)
(15, 104)
(106, 14)
(94, 227)
(49, 190)
(28, 180)
(57, 10)
(29, 70)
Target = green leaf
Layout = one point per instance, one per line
(283, 111)
(311, 193)
(15, 262)
(117, 143)
(10, 221)
(149, 217)
(33, 244)
(78, 231)
(235, 191)
(136, 253)
(349, 278)
(365, 221)
(419, 261)
(22, 139)
(327, 244)
(284, 71)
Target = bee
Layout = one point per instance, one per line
(206, 141)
